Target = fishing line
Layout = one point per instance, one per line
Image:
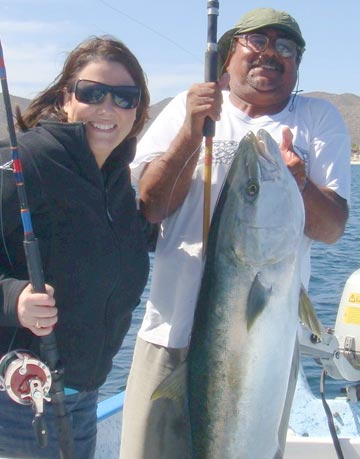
(295, 93)
(176, 180)
(4, 167)
(330, 418)
(145, 26)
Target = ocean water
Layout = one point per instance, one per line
(331, 267)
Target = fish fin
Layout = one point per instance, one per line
(308, 315)
(173, 386)
(257, 299)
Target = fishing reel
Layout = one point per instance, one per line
(27, 381)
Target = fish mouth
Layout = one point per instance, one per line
(267, 149)
(259, 161)
(263, 150)
(268, 167)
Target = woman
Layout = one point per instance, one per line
(79, 138)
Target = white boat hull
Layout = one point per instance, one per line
(308, 435)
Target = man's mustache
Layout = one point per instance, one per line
(267, 61)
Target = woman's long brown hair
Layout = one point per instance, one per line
(49, 103)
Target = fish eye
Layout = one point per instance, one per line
(252, 188)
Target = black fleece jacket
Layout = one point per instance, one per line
(91, 243)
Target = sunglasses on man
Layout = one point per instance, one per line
(93, 92)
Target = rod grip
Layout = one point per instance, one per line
(48, 348)
(34, 265)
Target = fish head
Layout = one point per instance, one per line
(264, 216)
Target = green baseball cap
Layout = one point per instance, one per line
(257, 19)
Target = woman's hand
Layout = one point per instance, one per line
(37, 311)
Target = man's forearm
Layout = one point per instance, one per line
(165, 182)
(326, 213)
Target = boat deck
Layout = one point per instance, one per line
(308, 436)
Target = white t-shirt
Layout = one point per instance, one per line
(320, 137)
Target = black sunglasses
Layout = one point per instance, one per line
(93, 92)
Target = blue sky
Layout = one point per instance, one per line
(169, 39)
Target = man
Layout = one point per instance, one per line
(260, 58)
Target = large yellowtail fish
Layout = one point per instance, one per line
(243, 357)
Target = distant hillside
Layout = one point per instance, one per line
(348, 105)
(20, 101)
(155, 109)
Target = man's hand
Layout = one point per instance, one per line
(294, 163)
(326, 212)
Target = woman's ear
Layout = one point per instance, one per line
(66, 96)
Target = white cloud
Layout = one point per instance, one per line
(34, 52)
(168, 81)
(31, 68)
(24, 27)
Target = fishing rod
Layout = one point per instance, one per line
(211, 62)
(21, 362)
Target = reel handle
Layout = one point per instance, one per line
(40, 430)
